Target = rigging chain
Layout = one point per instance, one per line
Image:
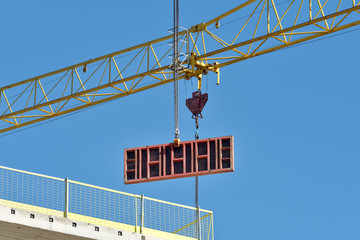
(176, 72)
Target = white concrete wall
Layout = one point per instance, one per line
(18, 224)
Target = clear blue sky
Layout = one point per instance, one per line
(294, 115)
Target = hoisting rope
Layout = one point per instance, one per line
(176, 72)
(196, 128)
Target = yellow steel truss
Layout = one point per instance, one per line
(263, 27)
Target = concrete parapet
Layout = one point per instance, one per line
(24, 225)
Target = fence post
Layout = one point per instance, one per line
(135, 214)
(66, 210)
(212, 226)
(142, 214)
(199, 223)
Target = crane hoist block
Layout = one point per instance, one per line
(197, 103)
(191, 158)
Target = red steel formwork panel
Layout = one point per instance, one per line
(191, 158)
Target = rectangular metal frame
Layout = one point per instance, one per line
(191, 158)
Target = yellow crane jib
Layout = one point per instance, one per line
(258, 27)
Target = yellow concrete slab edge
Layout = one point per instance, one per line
(95, 221)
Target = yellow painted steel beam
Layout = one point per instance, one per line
(287, 45)
(309, 36)
(262, 27)
(228, 13)
(287, 30)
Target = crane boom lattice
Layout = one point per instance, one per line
(257, 27)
